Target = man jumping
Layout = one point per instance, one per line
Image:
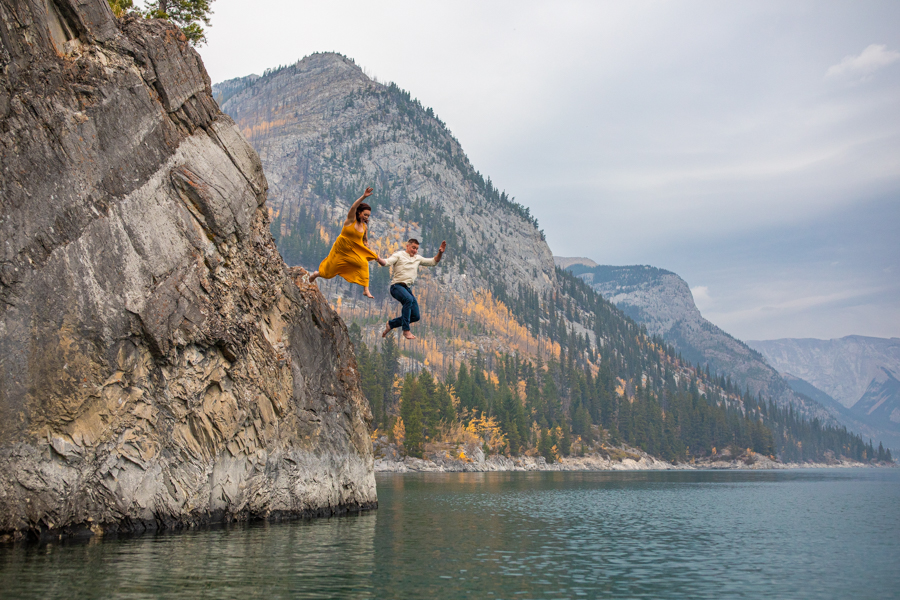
(404, 266)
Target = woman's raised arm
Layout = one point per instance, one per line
(351, 214)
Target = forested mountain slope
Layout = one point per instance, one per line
(506, 334)
(662, 301)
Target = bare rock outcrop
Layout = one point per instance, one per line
(158, 366)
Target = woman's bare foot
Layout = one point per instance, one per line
(367, 293)
(386, 331)
(408, 335)
(313, 276)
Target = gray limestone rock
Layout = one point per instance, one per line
(158, 366)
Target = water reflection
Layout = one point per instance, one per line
(327, 558)
(821, 534)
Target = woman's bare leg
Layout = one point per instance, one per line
(367, 293)
(313, 276)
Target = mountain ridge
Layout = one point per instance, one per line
(535, 352)
(332, 132)
(662, 301)
(859, 372)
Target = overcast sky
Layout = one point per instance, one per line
(751, 147)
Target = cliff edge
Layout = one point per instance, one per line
(158, 365)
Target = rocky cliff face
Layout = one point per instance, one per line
(158, 366)
(662, 301)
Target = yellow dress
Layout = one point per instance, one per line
(349, 257)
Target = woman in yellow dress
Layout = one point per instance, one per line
(350, 254)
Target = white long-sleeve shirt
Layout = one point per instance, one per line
(405, 268)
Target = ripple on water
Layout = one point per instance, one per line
(822, 534)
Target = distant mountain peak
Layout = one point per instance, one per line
(859, 372)
(655, 297)
(662, 301)
(564, 262)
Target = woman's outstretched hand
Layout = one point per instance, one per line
(351, 214)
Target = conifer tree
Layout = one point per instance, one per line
(411, 413)
(581, 424)
(550, 397)
(121, 7)
(464, 387)
(565, 439)
(189, 15)
(429, 401)
(545, 445)
(446, 411)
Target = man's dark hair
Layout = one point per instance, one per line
(362, 206)
(413, 241)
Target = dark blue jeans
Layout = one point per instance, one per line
(410, 312)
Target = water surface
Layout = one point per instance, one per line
(726, 534)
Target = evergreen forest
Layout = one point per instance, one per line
(638, 392)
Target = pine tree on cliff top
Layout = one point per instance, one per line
(189, 15)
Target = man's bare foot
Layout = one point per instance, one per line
(408, 335)
(313, 276)
(386, 331)
(367, 293)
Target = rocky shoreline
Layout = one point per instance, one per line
(637, 461)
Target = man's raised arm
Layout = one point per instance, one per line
(440, 254)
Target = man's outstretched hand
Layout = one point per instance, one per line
(440, 254)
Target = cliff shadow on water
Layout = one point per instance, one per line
(159, 367)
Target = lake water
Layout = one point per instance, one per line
(725, 534)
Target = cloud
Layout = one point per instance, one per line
(766, 309)
(701, 296)
(875, 57)
(655, 133)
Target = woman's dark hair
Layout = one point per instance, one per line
(362, 206)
